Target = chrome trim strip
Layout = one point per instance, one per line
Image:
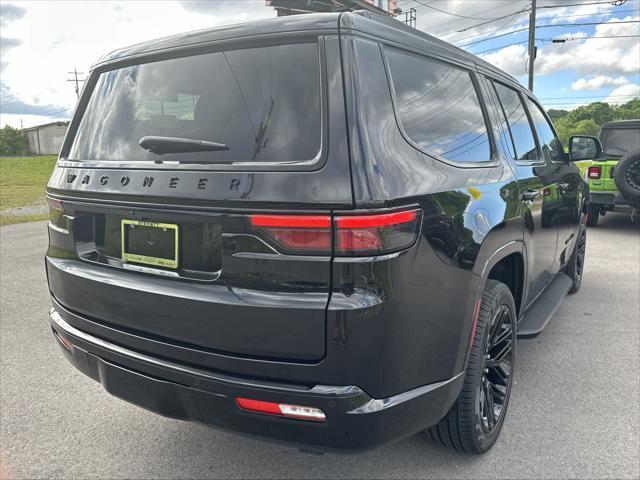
(375, 405)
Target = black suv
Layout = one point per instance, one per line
(326, 229)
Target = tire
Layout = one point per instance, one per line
(593, 215)
(575, 266)
(627, 176)
(466, 427)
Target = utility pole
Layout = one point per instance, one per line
(75, 80)
(532, 42)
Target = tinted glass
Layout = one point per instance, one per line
(523, 139)
(263, 103)
(439, 108)
(550, 144)
(620, 141)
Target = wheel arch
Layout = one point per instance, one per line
(507, 264)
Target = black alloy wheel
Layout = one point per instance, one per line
(575, 266)
(497, 369)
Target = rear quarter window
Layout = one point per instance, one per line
(263, 103)
(439, 108)
(620, 141)
(517, 122)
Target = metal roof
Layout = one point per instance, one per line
(51, 124)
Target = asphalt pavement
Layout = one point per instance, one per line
(574, 411)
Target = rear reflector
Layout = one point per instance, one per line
(594, 172)
(281, 409)
(63, 341)
(365, 234)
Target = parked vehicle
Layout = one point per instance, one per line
(614, 177)
(323, 229)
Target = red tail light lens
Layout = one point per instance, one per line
(373, 234)
(56, 212)
(364, 234)
(594, 172)
(295, 233)
(281, 409)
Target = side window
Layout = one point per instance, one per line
(518, 124)
(550, 144)
(439, 108)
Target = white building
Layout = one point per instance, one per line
(46, 139)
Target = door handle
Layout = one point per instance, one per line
(530, 195)
(563, 186)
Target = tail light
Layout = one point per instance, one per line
(349, 235)
(281, 409)
(296, 233)
(594, 172)
(373, 234)
(56, 212)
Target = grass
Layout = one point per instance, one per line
(22, 183)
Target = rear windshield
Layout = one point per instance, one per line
(620, 141)
(262, 103)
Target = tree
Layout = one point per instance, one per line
(13, 141)
(587, 119)
(629, 110)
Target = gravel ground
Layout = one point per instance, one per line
(37, 208)
(574, 412)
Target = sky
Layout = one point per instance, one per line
(41, 42)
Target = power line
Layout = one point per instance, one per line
(615, 3)
(76, 80)
(556, 41)
(572, 39)
(449, 13)
(586, 96)
(613, 12)
(493, 20)
(501, 47)
(548, 26)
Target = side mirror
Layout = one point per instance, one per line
(582, 147)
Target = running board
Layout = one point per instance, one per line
(538, 315)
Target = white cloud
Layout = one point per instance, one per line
(595, 83)
(36, 59)
(613, 56)
(512, 59)
(623, 94)
(586, 56)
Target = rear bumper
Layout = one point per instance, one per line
(607, 198)
(354, 420)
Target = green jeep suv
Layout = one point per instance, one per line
(614, 177)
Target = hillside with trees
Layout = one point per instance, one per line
(587, 119)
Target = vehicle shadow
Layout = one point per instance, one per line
(213, 453)
(619, 222)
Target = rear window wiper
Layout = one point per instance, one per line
(160, 145)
